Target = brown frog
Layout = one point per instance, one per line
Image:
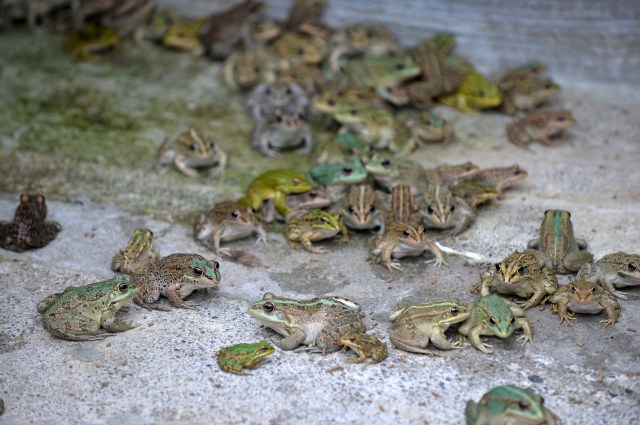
(540, 127)
(29, 228)
(613, 271)
(362, 208)
(447, 174)
(500, 177)
(585, 297)
(443, 210)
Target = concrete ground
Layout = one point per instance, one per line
(100, 183)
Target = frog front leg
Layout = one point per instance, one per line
(612, 308)
(524, 324)
(279, 203)
(440, 340)
(173, 295)
(113, 324)
(476, 342)
(181, 164)
(295, 338)
(305, 239)
(307, 142)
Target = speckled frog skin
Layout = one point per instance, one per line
(236, 357)
(366, 346)
(29, 228)
(317, 322)
(87, 313)
(585, 297)
(509, 405)
(137, 255)
(175, 276)
(613, 271)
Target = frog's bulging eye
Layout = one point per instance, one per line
(264, 348)
(541, 400)
(574, 289)
(424, 231)
(296, 181)
(369, 34)
(197, 271)
(512, 321)
(331, 102)
(123, 287)
(593, 291)
(492, 321)
(428, 123)
(212, 145)
(405, 232)
(216, 265)
(288, 91)
(372, 208)
(268, 307)
(430, 209)
(481, 93)
(520, 269)
(569, 214)
(400, 66)
(313, 194)
(385, 162)
(268, 91)
(234, 214)
(560, 118)
(192, 147)
(453, 208)
(279, 119)
(300, 51)
(347, 170)
(353, 112)
(256, 70)
(301, 116)
(351, 210)
(454, 311)
(497, 267)
(523, 405)
(632, 267)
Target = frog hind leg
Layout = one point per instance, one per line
(113, 324)
(77, 327)
(401, 344)
(440, 340)
(574, 260)
(42, 234)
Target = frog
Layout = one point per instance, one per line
(280, 130)
(365, 346)
(500, 177)
(156, 26)
(475, 194)
(91, 42)
(318, 323)
(331, 100)
(361, 39)
(314, 225)
(474, 93)
(612, 271)
(88, 312)
(349, 171)
(307, 76)
(540, 126)
(227, 221)
(427, 127)
(193, 153)
(384, 74)
(582, 296)
(495, 316)
(299, 203)
(264, 32)
(509, 404)
(175, 276)
(123, 16)
(362, 208)
(520, 274)
(557, 247)
(137, 255)
(417, 324)
(268, 97)
(448, 174)
(402, 238)
(275, 185)
(29, 228)
(528, 95)
(526, 71)
(293, 47)
(223, 31)
(236, 357)
(184, 36)
(245, 69)
(442, 210)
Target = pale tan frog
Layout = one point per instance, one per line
(540, 127)
(616, 270)
(282, 130)
(192, 153)
(585, 297)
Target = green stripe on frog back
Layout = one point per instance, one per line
(556, 231)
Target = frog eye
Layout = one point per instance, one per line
(593, 290)
(523, 404)
(123, 287)
(216, 265)
(325, 219)
(430, 209)
(347, 170)
(234, 214)
(541, 400)
(512, 321)
(192, 147)
(288, 91)
(429, 123)
(197, 271)
(313, 194)
(369, 34)
(560, 118)
(546, 211)
(372, 208)
(385, 162)
(453, 208)
(631, 267)
(267, 91)
(399, 66)
(351, 151)
(405, 232)
(481, 93)
(300, 51)
(424, 230)
(279, 118)
(492, 320)
(256, 70)
(520, 269)
(301, 116)
(497, 267)
(212, 145)
(353, 112)
(296, 181)
(574, 289)
(331, 102)
(389, 89)
(268, 307)
(454, 311)
(350, 209)
(264, 348)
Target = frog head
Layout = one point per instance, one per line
(351, 171)
(496, 316)
(297, 47)
(273, 312)
(438, 205)
(202, 273)
(121, 290)
(323, 221)
(509, 404)
(382, 164)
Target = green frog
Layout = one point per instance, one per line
(417, 324)
(389, 171)
(361, 39)
(312, 226)
(362, 208)
(350, 171)
(366, 346)
(528, 95)
(540, 126)
(557, 247)
(298, 203)
(268, 97)
(585, 297)
(318, 323)
(227, 221)
(222, 32)
(474, 93)
(282, 129)
(91, 42)
(29, 228)
(613, 271)
(236, 357)
(245, 69)
(508, 404)
(193, 153)
(495, 316)
(293, 47)
(175, 276)
(184, 36)
(443, 210)
(427, 127)
(526, 71)
(500, 177)
(88, 312)
(520, 274)
(137, 255)
(275, 185)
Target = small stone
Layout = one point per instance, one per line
(535, 378)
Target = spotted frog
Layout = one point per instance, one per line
(500, 177)
(443, 210)
(417, 324)
(185, 36)
(613, 271)
(312, 226)
(585, 297)
(508, 404)
(137, 255)
(192, 153)
(236, 357)
(245, 69)
(29, 228)
(88, 312)
(175, 276)
(366, 346)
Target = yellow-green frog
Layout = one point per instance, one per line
(314, 225)
(175, 276)
(236, 357)
(509, 405)
(91, 42)
(475, 92)
(185, 36)
(88, 312)
(613, 271)
(275, 185)
(500, 177)
(318, 323)
(427, 127)
(417, 324)
(474, 194)
(366, 346)
(227, 221)
(520, 274)
(495, 316)
(584, 297)
(193, 153)
(137, 255)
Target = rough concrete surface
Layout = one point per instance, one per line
(165, 370)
